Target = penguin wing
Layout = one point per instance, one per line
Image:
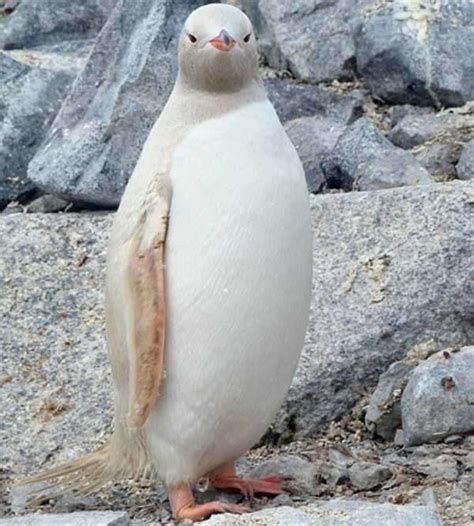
(146, 332)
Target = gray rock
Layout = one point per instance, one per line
(443, 466)
(398, 112)
(414, 130)
(81, 518)
(298, 475)
(418, 52)
(383, 416)
(313, 40)
(39, 22)
(465, 167)
(46, 204)
(33, 84)
(392, 271)
(293, 100)
(314, 138)
(366, 475)
(363, 159)
(337, 512)
(398, 439)
(435, 140)
(94, 143)
(439, 398)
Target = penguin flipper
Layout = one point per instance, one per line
(146, 334)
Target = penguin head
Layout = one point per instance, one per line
(217, 49)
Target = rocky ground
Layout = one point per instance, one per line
(378, 98)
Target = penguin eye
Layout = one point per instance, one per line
(192, 38)
(247, 37)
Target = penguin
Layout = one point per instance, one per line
(208, 279)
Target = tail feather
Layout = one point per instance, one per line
(125, 455)
(83, 475)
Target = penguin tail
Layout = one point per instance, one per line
(84, 475)
(125, 455)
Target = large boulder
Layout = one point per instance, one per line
(392, 270)
(439, 398)
(94, 143)
(40, 22)
(418, 52)
(314, 40)
(33, 84)
(363, 159)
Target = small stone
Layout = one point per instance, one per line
(428, 497)
(444, 467)
(453, 439)
(298, 475)
(46, 204)
(398, 439)
(439, 398)
(468, 460)
(465, 166)
(383, 415)
(457, 497)
(365, 475)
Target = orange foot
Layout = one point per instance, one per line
(183, 505)
(225, 478)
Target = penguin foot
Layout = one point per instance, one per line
(225, 478)
(183, 505)
(270, 485)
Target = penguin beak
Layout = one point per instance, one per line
(223, 41)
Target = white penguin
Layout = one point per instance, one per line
(208, 278)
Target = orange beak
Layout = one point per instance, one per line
(223, 41)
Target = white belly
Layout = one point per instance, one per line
(238, 267)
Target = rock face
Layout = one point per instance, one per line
(383, 416)
(418, 52)
(40, 22)
(392, 270)
(337, 512)
(313, 40)
(363, 159)
(314, 139)
(33, 84)
(84, 518)
(94, 143)
(439, 398)
(465, 167)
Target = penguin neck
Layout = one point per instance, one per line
(192, 106)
